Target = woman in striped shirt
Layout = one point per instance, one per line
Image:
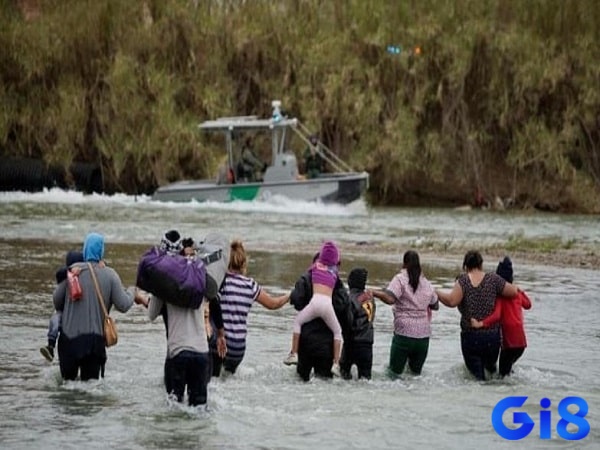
(238, 294)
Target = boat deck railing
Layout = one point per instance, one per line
(334, 160)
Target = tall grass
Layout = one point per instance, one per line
(503, 97)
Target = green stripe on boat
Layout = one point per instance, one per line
(243, 192)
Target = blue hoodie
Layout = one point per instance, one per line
(93, 247)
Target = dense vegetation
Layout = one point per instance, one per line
(503, 97)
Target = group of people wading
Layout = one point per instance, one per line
(332, 331)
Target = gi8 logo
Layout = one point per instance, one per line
(527, 423)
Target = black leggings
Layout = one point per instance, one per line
(90, 367)
(509, 356)
(84, 355)
(480, 351)
(189, 369)
(360, 354)
(217, 363)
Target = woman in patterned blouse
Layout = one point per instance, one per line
(413, 297)
(475, 294)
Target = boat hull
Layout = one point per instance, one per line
(333, 188)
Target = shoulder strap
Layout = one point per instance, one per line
(98, 292)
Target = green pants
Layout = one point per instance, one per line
(413, 350)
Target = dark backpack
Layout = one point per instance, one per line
(173, 278)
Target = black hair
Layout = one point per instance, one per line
(187, 242)
(413, 267)
(473, 260)
(357, 278)
(172, 235)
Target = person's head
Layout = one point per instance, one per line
(73, 257)
(171, 242)
(473, 260)
(505, 269)
(93, 247)
(329, 255)
(238, 260)
(314, 139)
(412, 264)
(357, 278)
(188, 247)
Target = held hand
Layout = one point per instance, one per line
(221, 346)
(141, 299)
(476, 323)
(209, 330)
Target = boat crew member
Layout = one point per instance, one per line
(313, 161)
(250, 168)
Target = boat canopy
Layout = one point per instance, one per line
(278, 124)
(247, 123)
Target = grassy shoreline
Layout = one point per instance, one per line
(573, 256)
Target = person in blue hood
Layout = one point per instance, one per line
(93, 248)
(54, 325)
(81, 346)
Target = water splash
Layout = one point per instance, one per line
(276, 204)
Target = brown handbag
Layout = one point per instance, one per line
(110, 327)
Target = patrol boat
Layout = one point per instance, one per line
(280, 177)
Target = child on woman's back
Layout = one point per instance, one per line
(324, 274)
(54, 325)
(509, 311)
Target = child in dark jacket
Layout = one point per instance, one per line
(54, 325)
(509, 312)
(358, 349)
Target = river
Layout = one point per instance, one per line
(265, 405)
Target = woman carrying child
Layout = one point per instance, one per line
(324, 275)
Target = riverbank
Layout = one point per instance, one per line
(573, 257)
(581, 257)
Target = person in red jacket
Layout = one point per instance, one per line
(509, 311)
